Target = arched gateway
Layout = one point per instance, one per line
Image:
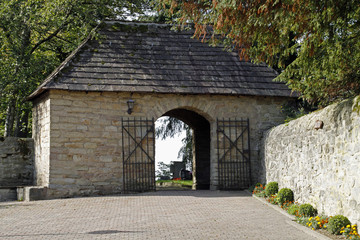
(93, 117)
(201, 130)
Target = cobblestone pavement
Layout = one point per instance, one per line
(156, 215)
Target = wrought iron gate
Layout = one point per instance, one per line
(233, 146)
(138, 146)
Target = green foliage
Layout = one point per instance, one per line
(285, 206)
(252, 187)
(35, 37)
(258, 190)
(350, 232)
(186, 151)
(285, 194)
(317, 222)
(170, 127)
(307, 210)
(271, 188)
(163, 170)
(296, 109)
(313, 44)
(293, 209)
(183, 183)
(301, 220)
(356, 104)
(336, 223)
(273, 199)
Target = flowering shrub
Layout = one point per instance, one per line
(293, 210)
(272, 199)
(351, 232)
(259, 191)
(286, 205)
(317, 222)
(285, 199)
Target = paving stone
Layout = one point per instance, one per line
(155, 215)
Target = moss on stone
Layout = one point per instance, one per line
(341, 111)
(356, 104)
(23, 147)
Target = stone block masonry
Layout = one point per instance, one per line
(16, 162)
(318, 157)
(41, 136)
(78, 135)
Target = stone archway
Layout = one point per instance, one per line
(201, 130)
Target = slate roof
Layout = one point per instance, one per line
(148, 57)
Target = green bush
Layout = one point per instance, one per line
(285, 195)
(293, 209)
(307, 210)
(271, 188)
(336, 223)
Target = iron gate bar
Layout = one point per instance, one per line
(249, 149)
(138, 144)
(138, 175)
(233, 144)
(234, 169)
(235, 141)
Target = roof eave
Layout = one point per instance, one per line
(42, 87)
(291, 95)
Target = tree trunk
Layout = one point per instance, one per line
(10, 117)
(17, 124)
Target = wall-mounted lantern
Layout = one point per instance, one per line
(130, 104)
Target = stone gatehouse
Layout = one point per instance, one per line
(87, 141)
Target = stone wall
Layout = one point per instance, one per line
(321, 164)
(84, 133)
(41, 136)
(16, 162)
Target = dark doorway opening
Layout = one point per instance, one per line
(201, 145)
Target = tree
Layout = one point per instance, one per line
(163, 171)
(314, 44)
(186, 151)
(35, 37)
(170, 127)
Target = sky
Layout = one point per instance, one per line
(167, 150)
